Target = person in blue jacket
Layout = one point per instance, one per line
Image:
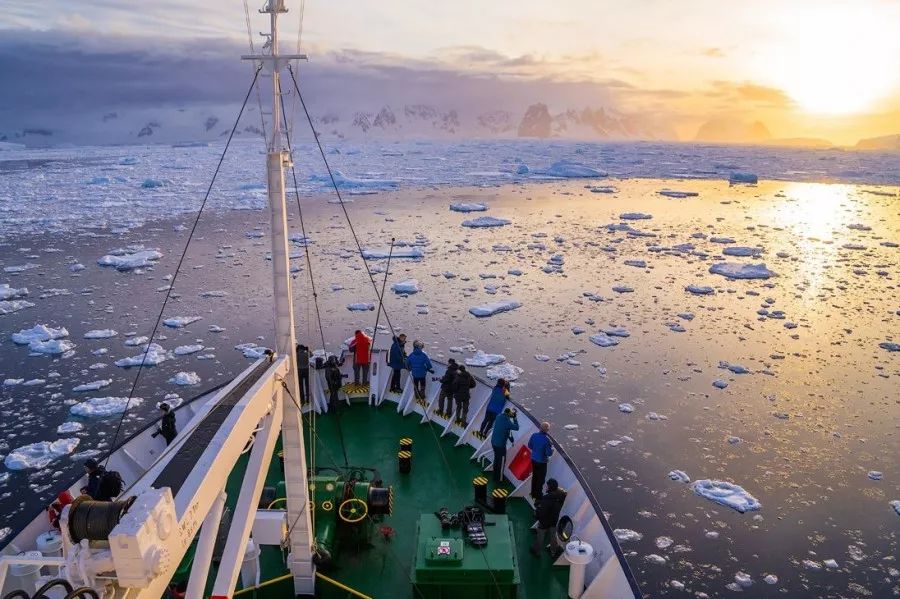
(397, 361)
(541, 450)
(495, 406)
(503, 427)
(419, 365)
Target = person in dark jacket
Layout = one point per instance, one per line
(446, 393)
(397, 362)
(463, 384)
(505, 424)
(167, 424)
(419, 365)
(541, 450)
(95, 473)
(547, 510)
(303, 372)
(334, 380)
(495, 406)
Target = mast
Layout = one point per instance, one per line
(277, 159)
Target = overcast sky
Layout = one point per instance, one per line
(828, 68)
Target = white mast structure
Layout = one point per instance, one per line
(277, 159)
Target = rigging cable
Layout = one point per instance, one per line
(262, 118)
(187, 244)
(340, 199)
(381, 297)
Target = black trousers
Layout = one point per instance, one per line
(488, 423)
(499, 459)
(169, 437)
(419, 387)
(538, 476)
(303, 380)
(333, 398)
(395, 379)
(365, 373)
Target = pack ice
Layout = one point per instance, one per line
(485, 221)
(407, 286)
(727, 494)
(153, 355)
(492, 308)
(129, 260)
(40, 454)
(178, 322)
(101, 407)
(185, 378)
(483, 359)
(734, 270)
(467, 207)
(39, 332)
(8, 293)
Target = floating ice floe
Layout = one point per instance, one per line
(53, 347)
(100, 334)
(467, 207)
(152, 355)
(616, 332)
(570, 169)
(185, 379)
(252, 350)
(69, 427)
(486, 221)
(184, 350)
(741, 271)
(12, 382)
(603, 340)
(679, 475)
(360, 307)
(124, 260)
(875, 475)
(213, 293)
(743, 177)
(179, 322)
(626, 534)
(770, 579)
(483, 359)
(735, 368)
(345, 182)
(39, 332)
(670, 193)
(623, 289)
(136, 341)
(896, 505)
(743, 579)
(19, 268)
(636, 263)
(489, 309)
(411, 252)
(408, 286)
(10, 306)
(39, 455)
(742, 251)
(504, 371)
(635, 216)
(719, 384)
(151, 184)
(9, 293)
(542, 357)
(890, 346)
(626, 408)
(92, 386)
(102, 407)
(727, 494)
(653, 558)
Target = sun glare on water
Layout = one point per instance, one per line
(834, 61)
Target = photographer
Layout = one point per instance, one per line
(167, 424)
(496, 403)
(505, 424)
(419, 366)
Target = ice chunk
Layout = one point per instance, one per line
(467, 207)
(623, 289)
(9, 293)
(727, 494)
(542, 357)
(719, 384)
(100, 334)
(504, 371)
(130, 261)
(741, 271)
(251, 350)
(679, 475)
(669, 193)
(604, 340)
(616, 332)
(151, 184)
(411, 252)
(136, 341)
(570, 169)
(492, 308)
(101, 407)
(896, 505)
(39, 455)
(53, 347)
(636, 263)
(185, 378)
(875, 475)
(654, 558)
(12, 382)
(408, 286)
(93, 386)
(178, 322)
(482, 359)
(635, 216)
(626, 408)
(626, 534)
(486, 221)
(770, 579)
(345, 182)
(151, 356)
(890, 346)
(39, 332)
(742, 251)
(360, 307)
(184, 350)
(743, 177)
(10, 306)
(69, 427)
(735, 368)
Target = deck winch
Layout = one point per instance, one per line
(346, 503)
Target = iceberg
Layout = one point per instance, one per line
(489, 309)
(411, 252)
(39, 455)
(69, 427)
(8, 293)
(10, 306)
(699, 289)
(604, 340)
(408, 286)
(741, 251)
(679, 475)
(486, 221)
(727, 494)
(93, 386)
(153, 355)
(53, 347)
(185, 379)
(504, 371)
(102, 407)
(468, 207)
(184, 350)
(888, 345)
(251, 350)
(179, 322)
(129, 261)
(626, 534)
(482, 359)
(345, 182)
(360, 307)
(570, 169)
(741, 271)
(39, 332)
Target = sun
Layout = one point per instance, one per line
(837, 60)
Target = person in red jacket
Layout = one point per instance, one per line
(360, 347)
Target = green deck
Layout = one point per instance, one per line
(441, 476)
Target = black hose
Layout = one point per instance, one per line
(39, 594)
(17, 593)
(82, 592)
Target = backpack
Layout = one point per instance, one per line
(111, 485)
